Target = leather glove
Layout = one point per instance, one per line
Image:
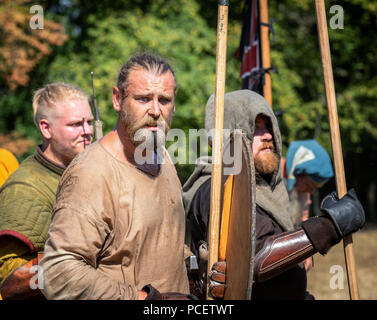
(217, 279)
(154, 294)
(347, 214)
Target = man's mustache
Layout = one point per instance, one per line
(152, 122)
(266, 145)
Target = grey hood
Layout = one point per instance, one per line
(241, 108)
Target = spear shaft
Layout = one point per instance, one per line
(265, 43)
(335, 138)
(97, 121)
(215, 202)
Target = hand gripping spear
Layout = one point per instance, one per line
(215, 203)
(335, 138)
(97, 121)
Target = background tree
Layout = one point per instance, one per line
(21, 50)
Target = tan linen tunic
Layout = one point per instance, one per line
(114, 229)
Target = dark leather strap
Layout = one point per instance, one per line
(224, 3)
(281, 253)
(154, 294)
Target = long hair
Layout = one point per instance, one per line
(146, 61)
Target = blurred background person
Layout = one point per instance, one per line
(64, 119)
(306, 168)
(8, 164)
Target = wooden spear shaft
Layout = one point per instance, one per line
(215, 203)
(265, 45)
(335, 138)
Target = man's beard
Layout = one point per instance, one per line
(138, 133)
(267, 162)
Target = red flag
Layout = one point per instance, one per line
(249, 49)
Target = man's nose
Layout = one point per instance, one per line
(87, 128)
(155, 110)
(266, 136)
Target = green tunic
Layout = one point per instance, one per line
(27, 199)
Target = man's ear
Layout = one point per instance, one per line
(116, 98)
(45, 128)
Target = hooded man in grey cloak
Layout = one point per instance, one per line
(280, 249)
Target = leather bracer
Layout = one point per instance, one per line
(282, 252)
(17, 285)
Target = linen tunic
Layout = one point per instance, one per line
(115, 229)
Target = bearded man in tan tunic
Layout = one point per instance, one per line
(118, 226)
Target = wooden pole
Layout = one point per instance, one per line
(265, 43)
(335, 137)
(225, 217)
(97, 122)
(215, 203)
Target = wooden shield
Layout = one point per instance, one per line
(237, 245)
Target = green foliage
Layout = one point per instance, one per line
(103, 35)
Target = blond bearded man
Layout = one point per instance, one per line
(118, 226)
(63, 117)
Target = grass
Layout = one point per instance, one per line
(320, 280)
